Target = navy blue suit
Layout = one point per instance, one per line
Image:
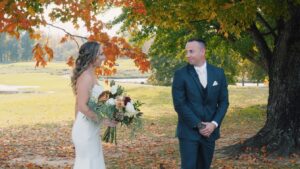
(195, 104)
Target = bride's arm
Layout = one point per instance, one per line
(83, 87)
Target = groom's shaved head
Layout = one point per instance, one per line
(200, 42)
(195, 52)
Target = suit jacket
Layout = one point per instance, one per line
(192, 106)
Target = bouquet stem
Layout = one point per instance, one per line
(110, 135)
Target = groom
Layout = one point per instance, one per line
(200, 98)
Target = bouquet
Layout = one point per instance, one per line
(113, 104)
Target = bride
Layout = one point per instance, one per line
(86, 128)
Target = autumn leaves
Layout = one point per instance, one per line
(29, 16)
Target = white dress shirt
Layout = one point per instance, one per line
(202, 74)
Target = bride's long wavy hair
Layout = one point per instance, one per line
(86, 56)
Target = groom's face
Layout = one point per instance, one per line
(195, 53)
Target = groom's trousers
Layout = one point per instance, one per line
(196, 154)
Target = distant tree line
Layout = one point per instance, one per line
(14, 50)
(20, 50)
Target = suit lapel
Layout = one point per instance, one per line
(195, 77)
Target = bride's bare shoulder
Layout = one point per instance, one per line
(85, 79)
(85, 76)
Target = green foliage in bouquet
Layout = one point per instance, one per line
(114, 105)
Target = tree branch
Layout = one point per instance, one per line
(250, 55)
(71, 35)
(268, 33)
(261, 43)
(266, 24)
(261, 62)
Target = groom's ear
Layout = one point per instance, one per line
(202, 51)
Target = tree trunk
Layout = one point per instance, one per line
(243, 80)
(281, 133)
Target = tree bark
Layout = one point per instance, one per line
(281, 133)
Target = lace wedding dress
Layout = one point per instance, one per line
(87, 142)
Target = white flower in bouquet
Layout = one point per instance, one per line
(110, 101)
(114, 89)
(130, 111)
(96, 91)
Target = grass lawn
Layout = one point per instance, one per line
(35, 127)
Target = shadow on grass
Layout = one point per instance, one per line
(239, 125)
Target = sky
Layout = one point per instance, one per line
(106, 17)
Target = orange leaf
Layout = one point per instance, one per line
(38, 55)
(43, 62)
(31, 11)
(226, 34)
(64, 39)
(98, 71)
(36, 36)
(15, 34)
(10, 27)
(49, 52)
(106, 81)
(29, 165)
(71, 61)
(227, 5)
(103, 37)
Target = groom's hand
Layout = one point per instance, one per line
(210, 127)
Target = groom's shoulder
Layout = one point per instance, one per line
(182, 69)
(216, 68)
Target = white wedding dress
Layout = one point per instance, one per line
(87, 142)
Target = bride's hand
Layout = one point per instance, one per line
(95, 119)
(110, 123)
